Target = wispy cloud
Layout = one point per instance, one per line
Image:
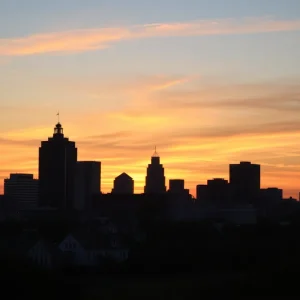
(258, 131)
(193, 126)
(18, 142)
(100, 38)
(267, 96)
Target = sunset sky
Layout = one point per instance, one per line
(209, 82)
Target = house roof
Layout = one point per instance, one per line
(98, 240)
(124, 176)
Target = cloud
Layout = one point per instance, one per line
(17, 142)
(194, 128)
(110, 135)
(137, 95)
(216, 111)
(168, 83)
(271, 95)
(268, 128)
(100, 38)
(119, 85)
(287, 102)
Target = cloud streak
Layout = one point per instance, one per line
(211, 108)
(100, 38)
(198, 130)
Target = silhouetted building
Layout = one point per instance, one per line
(244, 182)
(290, 199)
(22, 189)
(155, 179)
(179, 200)
(123, 184)
(202, 193)
(218, 192)
(57, 166)
(176, 185)
(271, 195)
(132, 207)
(8, 207)
(87, 183)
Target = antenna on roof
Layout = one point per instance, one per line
(155, 152)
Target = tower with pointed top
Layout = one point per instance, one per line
(155, 179)
(57, 165)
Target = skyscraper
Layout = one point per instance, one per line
(57, 166)
(176, 186)
(87, 183)
(218, 192)
(244, 181)
(202, 193)
(155, 179)
(22, 189)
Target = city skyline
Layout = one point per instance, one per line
(153, 162)
(215, 85)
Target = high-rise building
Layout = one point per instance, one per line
(176, 186)
(271, 195)
(22, 189)
(177, 190)
(218, 192)
(87, 183)
(155, 179)
(202, 193)
(57, 166)
(244, 182)
(123, 184)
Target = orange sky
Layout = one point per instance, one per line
(208, 87)
(198, 130)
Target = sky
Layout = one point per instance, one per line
(208, 82)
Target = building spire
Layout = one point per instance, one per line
(155, 154)
(58, 130)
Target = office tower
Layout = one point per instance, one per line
(87, 183)
(218, 192)
(22, 189)
(201, 193)
(177, 190)
(271, 195)
(155, 179)
(244, 182)
(57, 166)
(123, 184)
(176, 186)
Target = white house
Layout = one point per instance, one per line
(87, 249)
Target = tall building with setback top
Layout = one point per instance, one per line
(155, 179)
(57, 167)
(244, 181)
